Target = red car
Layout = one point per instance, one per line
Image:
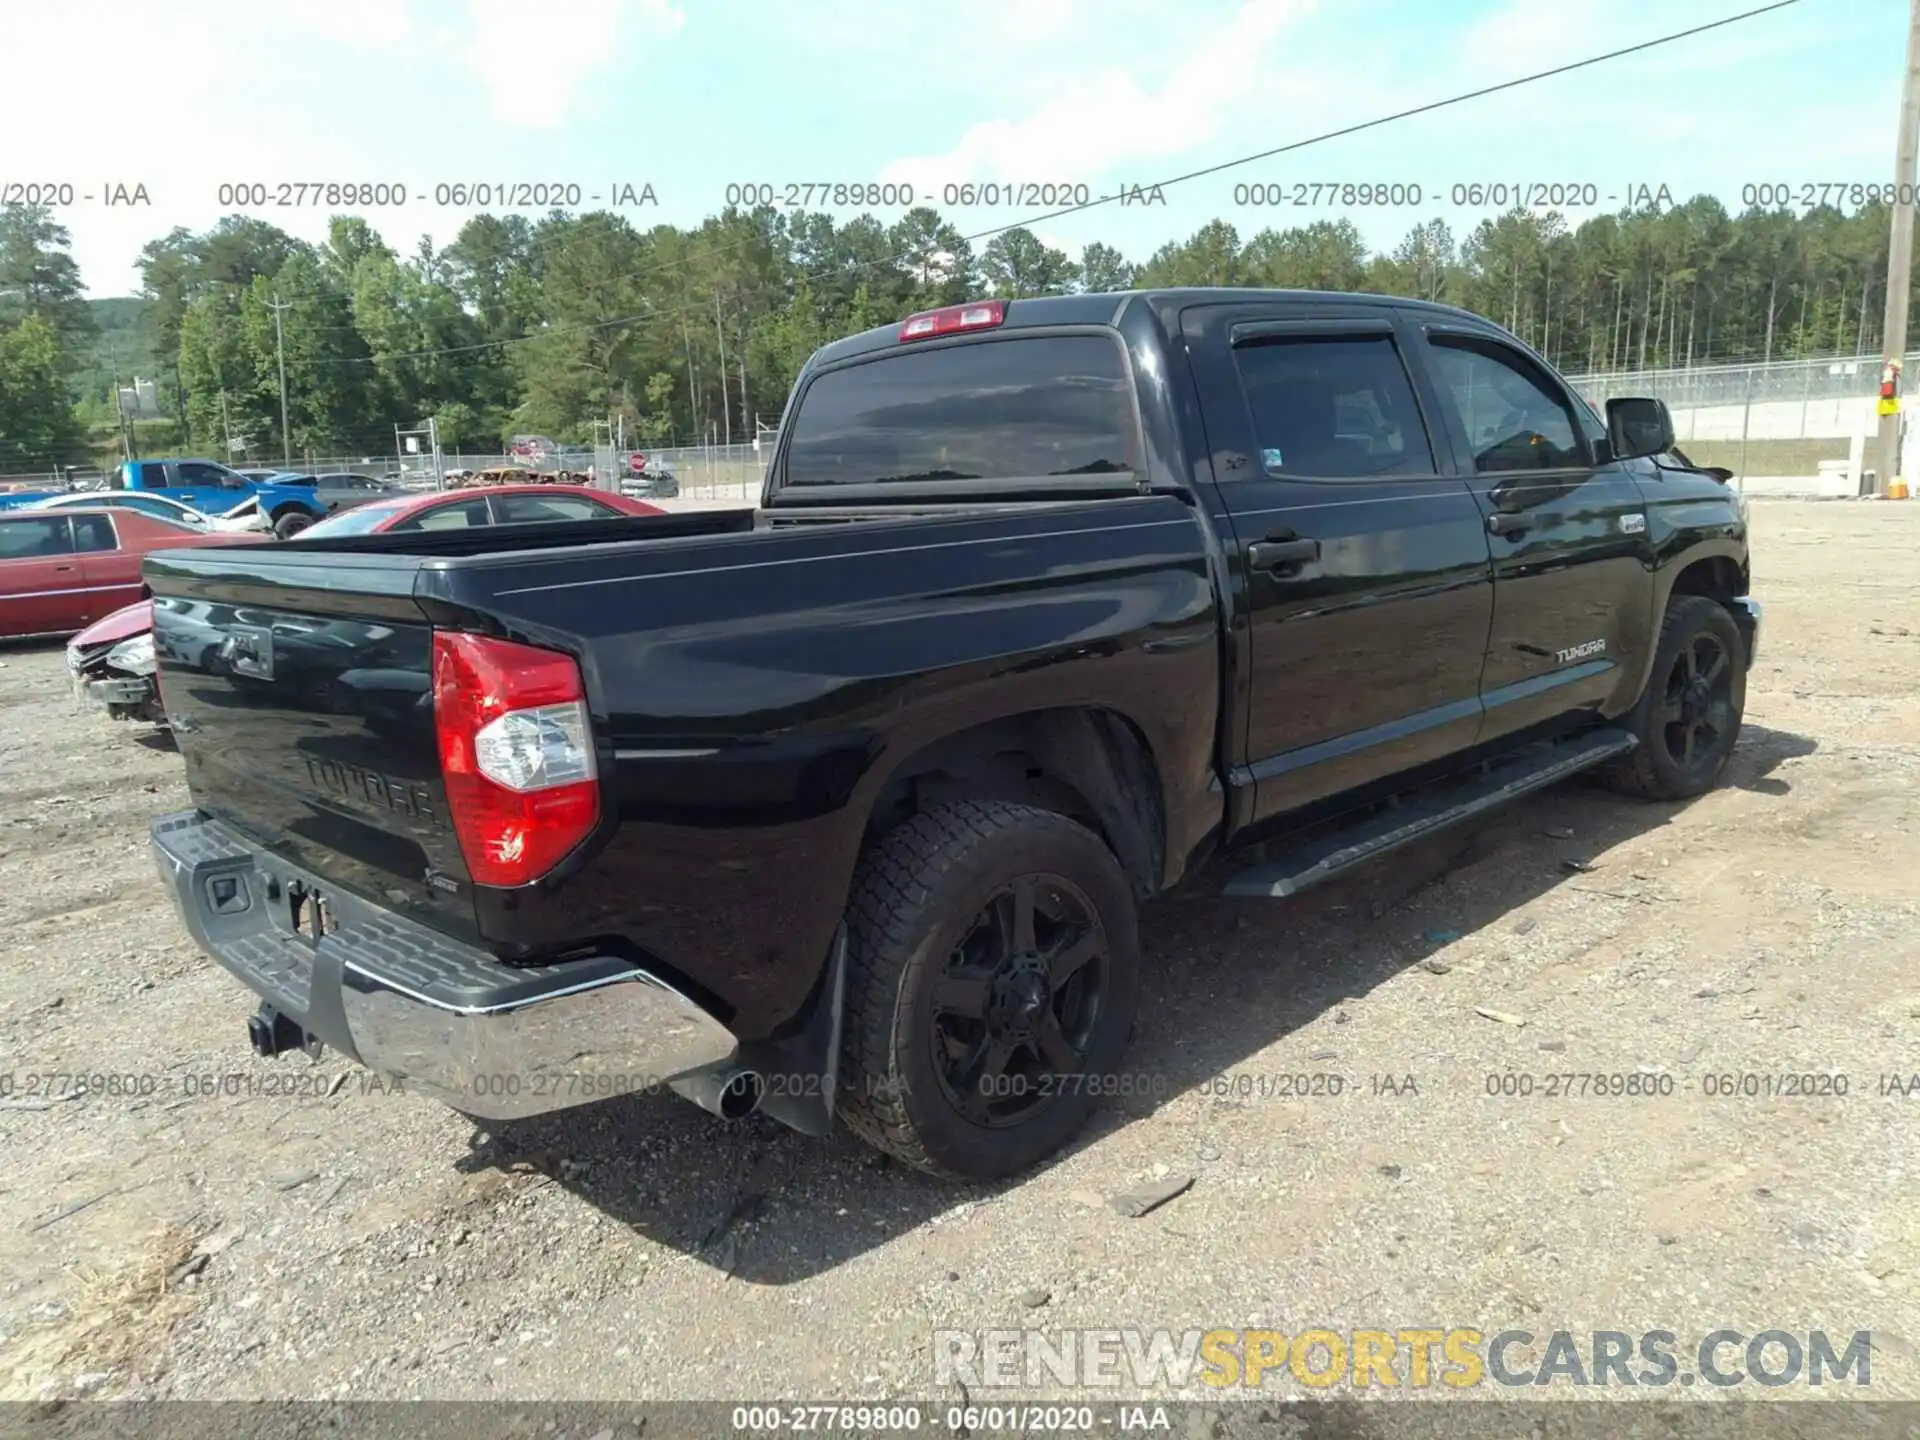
(60, 570)
(486, 505)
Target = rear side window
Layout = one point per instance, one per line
(523, 509)
(31, 539)
(153, 475)
(1012, 409)
(460, 516)
(1335, 407)
(94, 532)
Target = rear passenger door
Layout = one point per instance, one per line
(1572, 560)
(41, 587)
(112, 573)
(1362, 565)
(203, 486)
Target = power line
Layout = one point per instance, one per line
(1096, 203)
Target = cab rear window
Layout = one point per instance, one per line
(1000, 409)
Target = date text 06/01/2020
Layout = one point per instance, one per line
(1463, 194)
(456, 194)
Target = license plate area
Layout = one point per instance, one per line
(308, 915)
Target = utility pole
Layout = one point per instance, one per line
(1900, 250)
(126, 423)
(693, 394)
(726, 409)
(226, 425)
(280, 345)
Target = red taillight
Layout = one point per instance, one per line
(516, 752)
(981, 315)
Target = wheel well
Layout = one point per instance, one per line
(1090, 765)
(1718, 577)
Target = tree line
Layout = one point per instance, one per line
(550, 325)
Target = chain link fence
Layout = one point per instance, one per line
(1800, 423)
(1790, 426)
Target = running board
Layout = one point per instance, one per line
(1427, 812)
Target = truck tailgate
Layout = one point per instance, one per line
(302, 703)
(299, 681)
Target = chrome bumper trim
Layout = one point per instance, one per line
(447, 1019)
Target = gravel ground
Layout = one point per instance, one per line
(372, 1245)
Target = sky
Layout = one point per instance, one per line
(689, 98)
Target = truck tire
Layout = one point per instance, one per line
(993, 967)
(1688, 717)
(289, 523)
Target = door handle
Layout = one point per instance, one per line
(63, 567)
(1272, 554)
(1503, 522)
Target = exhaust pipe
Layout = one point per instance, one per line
(726, 1091)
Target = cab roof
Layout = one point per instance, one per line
(1106, 307)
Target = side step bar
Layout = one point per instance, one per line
(1426, 812)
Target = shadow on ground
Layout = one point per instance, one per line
(1225, 979)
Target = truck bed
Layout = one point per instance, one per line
(751, 688)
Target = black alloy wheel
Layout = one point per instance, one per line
(993, 966)
(1688, 717)
(1019, 1001)
(1697, 711)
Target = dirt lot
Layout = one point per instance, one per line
(378, 1246)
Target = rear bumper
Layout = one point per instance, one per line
(447, 1019)
(1747, 614)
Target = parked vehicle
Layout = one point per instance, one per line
(233, 522)
(343, 491)
(845, 807)
(62, 570)
(493, 505)
(213, 488)
(111, 664)
(531, 449)
(21, 497)
(649, 475)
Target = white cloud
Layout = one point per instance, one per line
(238, 126)
(255, 116)
(1098, 123)
(358, 24)
(1533, 35)
(1027, 22)
(536, 59)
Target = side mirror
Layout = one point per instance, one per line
(1638, 427)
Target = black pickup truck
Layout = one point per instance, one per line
(844, 805)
